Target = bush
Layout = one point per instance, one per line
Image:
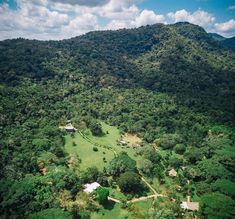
(130, 182)
(180, 148)
(95, 149)
(102, 195)
(96, 128)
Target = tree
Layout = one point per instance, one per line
(150, 154)
(168, 141)
(211, 170)
(130, 182)
(145, 166)
(96, 128)
(102, 195)
(217, 206)
(91, 174)
(193, 155)
(179, 148)
(224, 186)
(175, 161)
(121, 164)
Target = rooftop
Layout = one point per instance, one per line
(193, 206)
(89, 188)
(172, 172)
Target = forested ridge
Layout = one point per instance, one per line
(172, 85)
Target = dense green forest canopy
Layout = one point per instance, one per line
(172, 85)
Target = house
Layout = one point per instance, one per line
(172, 173)
(89, 188)
(188, 205)
(69, 128)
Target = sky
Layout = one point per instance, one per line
(62, 19)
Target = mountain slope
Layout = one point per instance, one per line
(181, 59)
(216, 36)
(229, 43)
(172, 87)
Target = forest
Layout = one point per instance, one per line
(173, 86)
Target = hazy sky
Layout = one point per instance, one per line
(59, 19)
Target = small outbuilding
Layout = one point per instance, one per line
(188, 205)
(172, 173)
(122, 142)
(89, 188)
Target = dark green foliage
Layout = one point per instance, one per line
(150, 154)
(179, 148)
(102, 195)
(95, 149)
(217, 206)
(90, 175)
(173, 85)
(175, 162)
(31, 194)
(224, 186)
(96, 128)
(120, 164)
(211, 170)
(52, 213)
(168, 141)
(130, 182)
(229, 43)
(193, 155)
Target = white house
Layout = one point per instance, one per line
(188, 205)
(69, 128)
(89, 188)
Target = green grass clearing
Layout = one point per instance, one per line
(113, 211)
(84, 149)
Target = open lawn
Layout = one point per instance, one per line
(112, 211)
(84, 149)
(85, 152)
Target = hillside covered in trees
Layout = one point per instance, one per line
(173, 86)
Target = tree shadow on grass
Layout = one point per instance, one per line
(109, 205)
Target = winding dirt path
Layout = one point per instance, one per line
(153, 190)
(113, 199)
(145, 198)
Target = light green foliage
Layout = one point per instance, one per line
(145, 166)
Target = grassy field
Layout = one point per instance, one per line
(137, 210)
(143, 207)
(84, 149)
(113, 211)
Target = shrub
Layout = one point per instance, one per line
(95, 149)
